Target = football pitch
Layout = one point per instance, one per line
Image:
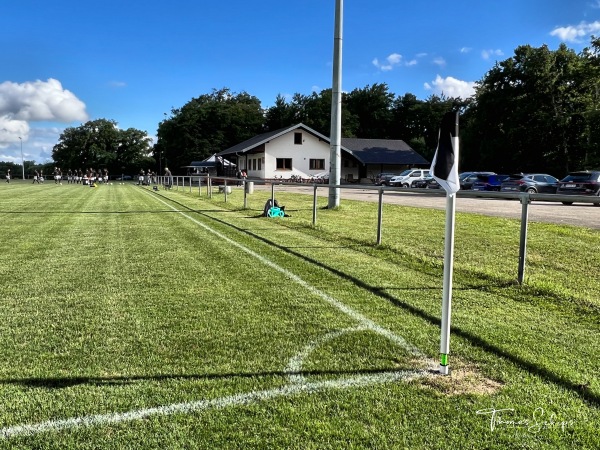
(134, 318)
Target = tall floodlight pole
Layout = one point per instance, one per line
(22, 160)
(335, 156)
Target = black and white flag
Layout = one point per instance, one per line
(444, 167)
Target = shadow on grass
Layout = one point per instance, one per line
(531, 367)
(137, 211)
(67, 382)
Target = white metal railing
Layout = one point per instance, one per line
(191, 182)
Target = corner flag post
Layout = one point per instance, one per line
(444, 169)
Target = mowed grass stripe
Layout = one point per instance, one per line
(203, 344)
(154, 315)
(496, 316)
(362, 320)
(509, 313)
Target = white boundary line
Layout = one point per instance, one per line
(298, 383)
(358, 317)
(203, 405)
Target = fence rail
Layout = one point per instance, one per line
(224, 183)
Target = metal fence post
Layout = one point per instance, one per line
(272, 193)
(225, 189)
(245, 194)
(379, 216)
(314, 204)
(525, 200)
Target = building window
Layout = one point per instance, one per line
(316, 164)
(254, 164)
(284, 163)
(298, 138)
(259, 164)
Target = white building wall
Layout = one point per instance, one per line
(264, 165)
(256, 165)
(301, 154)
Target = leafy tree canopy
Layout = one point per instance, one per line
(207, 125)
(100, 144)
(533, 112)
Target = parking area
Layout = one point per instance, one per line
(580, 214)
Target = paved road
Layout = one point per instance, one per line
(582, 214)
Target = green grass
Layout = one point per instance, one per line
(119, 299)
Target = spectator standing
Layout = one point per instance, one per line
(168, 178)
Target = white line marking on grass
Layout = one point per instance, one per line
(204, 405)
(364, 321)
(298, 383)
(295, 364)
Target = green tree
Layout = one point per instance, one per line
(101, 144)
(313, 110)
(417, 122)
(591, 58)
(372, 107)
(206, 125)
(530, 112)
(282, 114)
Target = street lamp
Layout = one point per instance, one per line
(22, 160)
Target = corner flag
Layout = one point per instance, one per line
(444, 166)
(444, 169)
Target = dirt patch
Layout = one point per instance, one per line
(463, 379)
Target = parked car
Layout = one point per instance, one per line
(426, 183)
(433, 184)
(383, 179)
(580, 183)
(422, 184)
(530, 182)
(408, 177)
(488, 182)
(466, 179)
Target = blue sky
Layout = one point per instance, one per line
(65, 62)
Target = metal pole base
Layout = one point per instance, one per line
(444, 370)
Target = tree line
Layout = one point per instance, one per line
(535, 111)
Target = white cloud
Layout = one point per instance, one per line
(11, 130)
(40, 101)
(439, 61)
(576, 33)
(391, 61)
(37, 144)
(465, 49)
(487, 54)
(451, 87)
(34, 101)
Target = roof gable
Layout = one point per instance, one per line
(367, 151)
(261, 139)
